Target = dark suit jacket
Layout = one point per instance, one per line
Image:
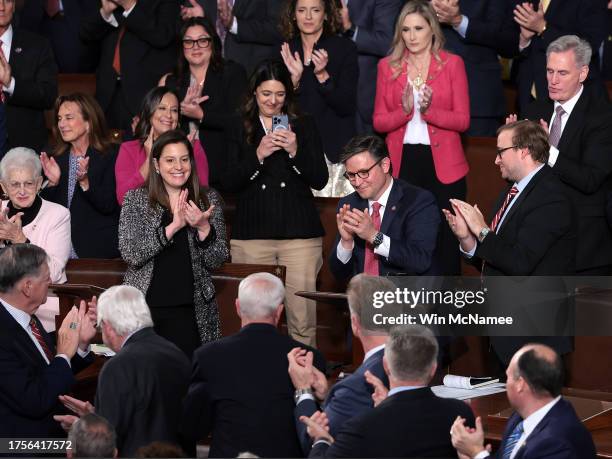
(94, 214)
(560, 435)
(35, 73)
(607, 51)
(29, 387)
(334, 103)
(225, 89)
(241, 391)
(347, 398)
(413, 423)
(585, 18)
(147, 49)
(584, 166)
(375, 20)
(258, 37)
(2, 129)
(411, 220)
(141, 389)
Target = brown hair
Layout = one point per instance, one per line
(331, 24)
(99, 136)
(398, 47)
(155, 184)
(529, 134)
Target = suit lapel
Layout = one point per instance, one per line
(575, 121)
(392, 204)
(16, 49)
(22, 340)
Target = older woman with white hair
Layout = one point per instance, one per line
(25, 217)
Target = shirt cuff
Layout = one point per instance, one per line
(10, 88)
(384, 248)
(482, 454)
(234, 28)
(84, 353)
(65, 357)
(553, 155)
(305, 397)
(344, 255)
(111, 20)
(355, 34)
(521, 48)
(469, 254)
(461, 29)
(321, 441)
(126, 13)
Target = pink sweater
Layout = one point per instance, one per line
(132, 155)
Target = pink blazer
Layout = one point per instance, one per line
(132, 155)
(448, 115)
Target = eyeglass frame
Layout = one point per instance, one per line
(347, 174)
(207, 40)
(29, 185)
(500, 151)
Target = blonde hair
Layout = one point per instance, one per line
(398, 47)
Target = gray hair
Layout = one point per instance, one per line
(125, 309)
(582, 48)
(92, 436)
(18, 261)
(259, 295)
(362, 292)
(20, 158)
(411, 352)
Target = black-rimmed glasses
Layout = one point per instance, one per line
(203, 42)
(362, 174)
(500, 151)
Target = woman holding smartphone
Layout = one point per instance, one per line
(272, 170)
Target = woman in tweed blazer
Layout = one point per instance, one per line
(171, 244)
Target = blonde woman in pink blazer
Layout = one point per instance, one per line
(26, 218)
(422, 104)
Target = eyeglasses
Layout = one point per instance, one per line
(203, 42)
(362, 174)
(16, 186)
(500, 151)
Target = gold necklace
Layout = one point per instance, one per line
(418, 81)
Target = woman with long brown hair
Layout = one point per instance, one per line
(80, 175)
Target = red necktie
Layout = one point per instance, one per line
(500, 213)
(371, 259)
(117, 55)
(38, 335)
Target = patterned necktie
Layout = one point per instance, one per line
(555, 129)
(512, 440)
(370, 265)
(38, 335)
(500, 213)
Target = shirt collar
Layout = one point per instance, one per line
(383, 198)
(397, 389)
(7, 37)
(536, 417)
(521, 184)
(569, 104)
(22, 317)
(373, 351)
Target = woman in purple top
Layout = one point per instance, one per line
(159, 113)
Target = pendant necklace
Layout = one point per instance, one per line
(418, 81)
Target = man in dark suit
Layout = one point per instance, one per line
(479, 30)
(411, 421)
(140, 390)
(544, 424)
(370, 24)
(28, 81)
(33, 372)
(352, 395)
(240, 390)
(581, 141)
(532, 234)
(539, 23)
(386, 226)
(137, 41)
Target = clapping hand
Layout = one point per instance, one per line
(293, 64)
(69, 333)
(318, 426)
(511, 118)
(468, 441)
(360, 223)
(88, 317)
(407, 99)
(5, 71)
(193, 11)
(425, 96)
(50, 168)
(10, 228)
(198, 219)
(82, 169)
(346, 233)
(447, 11)
(320, 58)
(190, 106)
(531, 21)
(78, 407)
(473, 217)
(380, 390)
(459, 227)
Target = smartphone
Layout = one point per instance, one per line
(280, 122)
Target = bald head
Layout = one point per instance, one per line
(541, 367)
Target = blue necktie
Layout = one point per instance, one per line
(512, 440)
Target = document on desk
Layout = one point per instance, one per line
(101, 349)
(464, 394)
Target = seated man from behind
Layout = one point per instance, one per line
(387, 226)
(140, 389)
(544, 424)
(411, 421)
(92, 436)
(240, 390)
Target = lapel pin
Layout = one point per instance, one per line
(18, 50)
(392, 207)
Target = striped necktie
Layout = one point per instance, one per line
(512, 440)
(38, 335)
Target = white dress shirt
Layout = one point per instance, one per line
(7, 41)
(568, 107)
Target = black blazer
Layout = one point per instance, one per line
(29, 387)
(584, 166)
(274, 198)
(147, 49)
(225, 89)
(413, 423)
(35, 73)
(94, 214)
(241, 392)
(585, 18)
(140, 391)
(334, 103)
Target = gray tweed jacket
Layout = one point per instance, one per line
(142, 237)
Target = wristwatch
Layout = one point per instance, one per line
(483, 233)
(299, 392)
(378, 239)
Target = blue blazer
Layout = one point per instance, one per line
(560, 435)
(411, 220)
